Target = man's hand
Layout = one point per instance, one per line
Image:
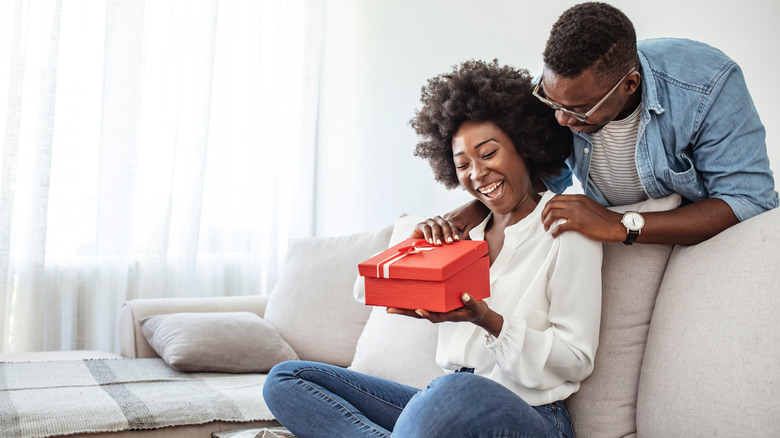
(584, 216)
(687, 225)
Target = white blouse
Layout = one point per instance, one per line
(549, 292)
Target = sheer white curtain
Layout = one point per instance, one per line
(158, 148)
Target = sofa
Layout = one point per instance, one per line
(689, 342)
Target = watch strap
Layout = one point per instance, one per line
(631, 237)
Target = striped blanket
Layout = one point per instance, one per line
(42, 399)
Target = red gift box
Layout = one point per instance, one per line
(417, 275)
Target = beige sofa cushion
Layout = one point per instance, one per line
(713, 351)
(605, 405)
(230, 342)
(312, 306)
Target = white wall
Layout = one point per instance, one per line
(378, 54)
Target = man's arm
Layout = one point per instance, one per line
(730, 149)
(686, 225)
(455, 225)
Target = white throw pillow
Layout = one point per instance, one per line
(605, 404)
(231, 342)
(396, 347)
(312, 306)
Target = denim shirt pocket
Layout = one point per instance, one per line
(688, 182)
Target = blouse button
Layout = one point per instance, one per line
(586, 150)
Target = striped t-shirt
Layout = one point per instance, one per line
(613, 163)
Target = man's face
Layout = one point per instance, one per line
(582, 93)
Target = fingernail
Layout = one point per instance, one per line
(449, 240)
(466, 298)
(438, 241)
(430, 240)
(419, 312)
(457, 237)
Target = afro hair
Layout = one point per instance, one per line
(477, 91)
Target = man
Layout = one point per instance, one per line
(650, 119)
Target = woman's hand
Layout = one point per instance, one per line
(473, 311)
(454, 226)
(436, 231)
(467, 216)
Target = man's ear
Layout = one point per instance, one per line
(633, 80)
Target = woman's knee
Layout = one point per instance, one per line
(458, 385)
(456, 404)
(449, 396)
(280, 375)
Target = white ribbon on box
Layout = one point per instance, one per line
(383, 267)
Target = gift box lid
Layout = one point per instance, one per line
(416, 259)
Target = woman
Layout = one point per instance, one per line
(521, 352)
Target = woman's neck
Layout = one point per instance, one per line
(494, 229)
(521, 210)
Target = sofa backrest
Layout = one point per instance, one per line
(713, 350)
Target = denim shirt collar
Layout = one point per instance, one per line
(650, 101)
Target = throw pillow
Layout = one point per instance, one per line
(397, 347)
(231, 342)
(605, 404)
(312, 306)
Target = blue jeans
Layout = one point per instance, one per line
(318, 400)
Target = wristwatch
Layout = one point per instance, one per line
(633, 221)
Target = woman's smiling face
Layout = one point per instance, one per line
(489, 167)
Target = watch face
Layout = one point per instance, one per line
(633, 221)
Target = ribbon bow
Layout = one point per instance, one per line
(414, 249)
(383, 267)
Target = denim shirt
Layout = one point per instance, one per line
(699, 132)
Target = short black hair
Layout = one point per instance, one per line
(589, 35)
(477, 91)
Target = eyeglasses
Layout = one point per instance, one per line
(582, 117)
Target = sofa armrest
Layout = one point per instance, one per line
(132, 342)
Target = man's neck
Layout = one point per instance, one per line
(633, 101)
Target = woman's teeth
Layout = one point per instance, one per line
(489, 189)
